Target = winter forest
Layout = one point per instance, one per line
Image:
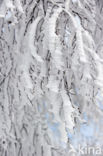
(51, 77)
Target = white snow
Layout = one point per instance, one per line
(74, 1)
(8, 15)
(32, 34)
(78, 21)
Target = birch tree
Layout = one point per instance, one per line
(51, 73)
